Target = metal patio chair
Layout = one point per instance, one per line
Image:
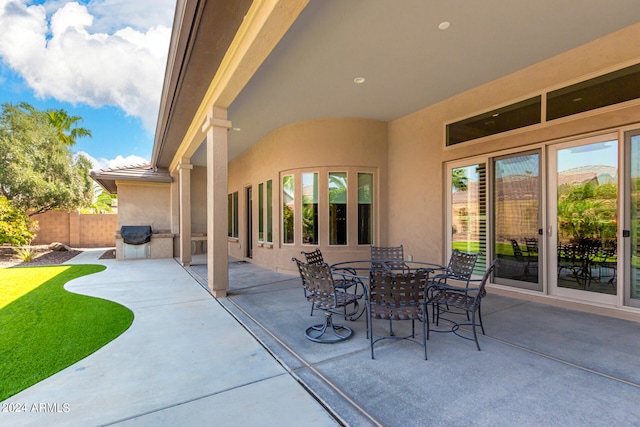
(321, 292)
(388, 258)
(463, 298)
(459, 269)
(395, 297)
(346, 279)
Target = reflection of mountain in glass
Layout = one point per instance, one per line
(592, 173)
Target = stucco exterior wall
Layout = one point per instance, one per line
(144, 204)
(323, 145)
(199, 200)
(417, 152)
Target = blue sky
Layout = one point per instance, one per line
(102, 60)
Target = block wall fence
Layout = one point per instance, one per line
(76, 230)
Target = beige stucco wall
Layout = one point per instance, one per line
(325, 145)
(144, 204)
(411, 152)
(417, 153)
(199, 199)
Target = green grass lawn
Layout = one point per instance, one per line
(44, 329)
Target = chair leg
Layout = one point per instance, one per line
(334, 332)
(480, 318)
(370, 332)
(425, 331)
(366, 319)
(473, 325)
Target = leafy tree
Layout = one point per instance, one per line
(15, 227)
(587, 212)
(38, 172)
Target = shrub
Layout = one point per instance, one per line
(15, 226)
(26, 254)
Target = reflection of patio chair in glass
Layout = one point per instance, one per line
(321, 292)
(344, 282)
(532, 246)
(517, 252)
(388, 258)
(398, 297)
(466, 299)
(608, 264)
(578, 260)
(529, 257)
(532, 253)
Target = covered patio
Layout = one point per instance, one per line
(539, 364)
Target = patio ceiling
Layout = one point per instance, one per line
(408, 63)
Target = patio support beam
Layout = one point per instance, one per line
(216, 127)
(184, 178)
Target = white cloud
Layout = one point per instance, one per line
(109, 52)
(118, 162)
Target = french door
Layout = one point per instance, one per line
(583, 219)
(564, 218)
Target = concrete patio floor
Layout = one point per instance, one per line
(184, 361)
(189, 359)
(539, 365)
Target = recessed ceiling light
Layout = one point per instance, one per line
(236, 129)
(358, 80)
(444, 25)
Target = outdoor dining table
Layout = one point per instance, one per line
(360, 270)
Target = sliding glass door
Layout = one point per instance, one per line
(564, 218)
(631, 234)
(469, 211)
(583, 237)
(517, 220)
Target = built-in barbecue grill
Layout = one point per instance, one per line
(137, 240)
(136, 234)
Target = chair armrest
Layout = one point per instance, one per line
(438, 287)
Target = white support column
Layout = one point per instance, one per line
(184, 177)
(216, 127)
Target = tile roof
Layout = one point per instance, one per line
(107, 178)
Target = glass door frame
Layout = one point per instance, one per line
(510, 282)
(624, 243)
(448, 238)
(552, 221)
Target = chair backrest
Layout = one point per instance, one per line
(387, 253)
(485, 278)
(317, 280)
(302, 272)
(461, 264)
(397, 290)
(313, 257)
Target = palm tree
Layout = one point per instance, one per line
(459, 179)
(66, 126)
